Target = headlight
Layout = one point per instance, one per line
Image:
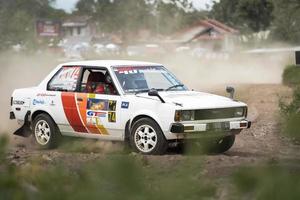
(184, 115)
(239, 112)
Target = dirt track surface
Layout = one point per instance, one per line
(260, 144)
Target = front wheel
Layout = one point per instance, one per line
(147, 137)
(45, 132)
(224, 144)
(209, 145)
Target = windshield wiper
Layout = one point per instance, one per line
(147, 90)
(142, 91)
(174, 86)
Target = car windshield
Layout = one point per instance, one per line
(143, 78)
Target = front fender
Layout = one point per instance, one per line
(148, 113)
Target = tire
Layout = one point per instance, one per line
(147, 138)
(224, 144)
(45, 132)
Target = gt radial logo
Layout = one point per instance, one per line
(95, 114)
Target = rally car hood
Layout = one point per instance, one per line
(197, 100)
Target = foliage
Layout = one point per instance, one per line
(291, 75)
(291, 111)
(115, 177)
(286, 24)
(17, 20)
(130, 16)
(291, 115)
(247, 15)
(268, 182)
(252, 16)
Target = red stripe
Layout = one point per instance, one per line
(69, 105)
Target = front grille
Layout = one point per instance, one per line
(218, 113)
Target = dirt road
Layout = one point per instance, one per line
(262, 143)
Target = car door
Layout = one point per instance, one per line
(99, 112)
(64, 107)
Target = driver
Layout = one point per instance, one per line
(98, 83)
(106, 87)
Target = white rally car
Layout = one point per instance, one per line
(138, 102)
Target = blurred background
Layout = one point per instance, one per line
(208, 44)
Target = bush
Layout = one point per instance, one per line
(115, 177)
(267, 182)
(291, 75)
(291, 115)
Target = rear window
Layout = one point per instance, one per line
(65, 80)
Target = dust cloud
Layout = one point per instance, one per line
(20, 71)
(238, 69)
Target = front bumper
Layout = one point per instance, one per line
(214, 126)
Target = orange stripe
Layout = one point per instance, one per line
(70, 109)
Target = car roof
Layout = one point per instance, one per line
(109, 63)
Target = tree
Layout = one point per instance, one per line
(255, 15)
(225, 11)
(286, 25)
(247, 15)
(129, 16)
(17, 20)
(116, 16)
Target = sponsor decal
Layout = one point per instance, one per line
(91, 113)
(97, 104)
(38, 102)
(140, 69)
(101, 104)
(16, 102)
(67, 79)
(92, 121)
(112, 105)
(111, 116)
(125, 105)
(45, 95)
(52, 103)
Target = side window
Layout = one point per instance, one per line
(97, 81)
(65, 80)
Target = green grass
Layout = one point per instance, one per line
(267, 182)
(291, 75)
(123, 176)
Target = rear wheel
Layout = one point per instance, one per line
(147, 137)
(45, 132)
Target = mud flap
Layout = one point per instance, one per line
(25, 130)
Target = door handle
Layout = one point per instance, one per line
(79, 99)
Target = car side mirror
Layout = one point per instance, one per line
(231, 91)
(154, 93)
